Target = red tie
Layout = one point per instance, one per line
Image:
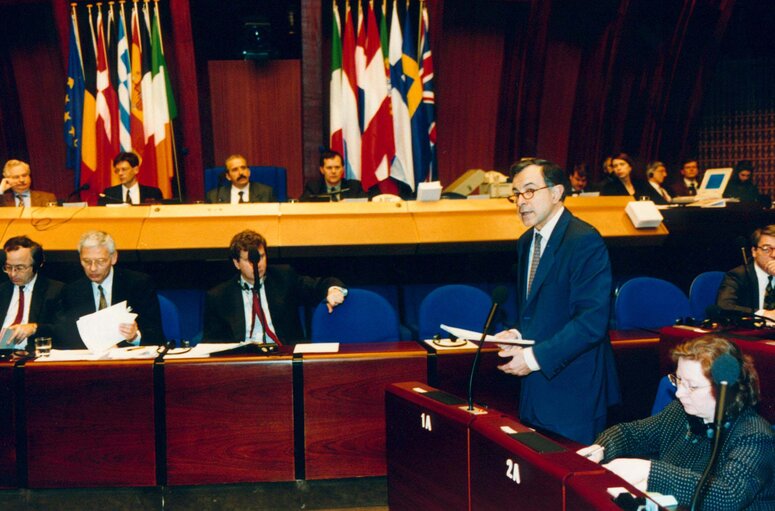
(20, 311)
(259, 311)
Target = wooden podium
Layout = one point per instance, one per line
(427, 448)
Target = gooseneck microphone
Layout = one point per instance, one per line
(254, 256)
(726, 373)
(499, 296)
(78, 190)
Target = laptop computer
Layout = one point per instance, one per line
(714, 182)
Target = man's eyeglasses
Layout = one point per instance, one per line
(527, 194)
(18, 268)
(677, 381)
(767, 249)
(99, 263)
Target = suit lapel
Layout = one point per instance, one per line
(5, 298)
(38, 297)
(236, 308)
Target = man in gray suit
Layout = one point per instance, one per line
(240, 189)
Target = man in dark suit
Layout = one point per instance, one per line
(240, 189)
(237, 311)
(29, 302)
(126, 166)
(104, 285)
(15, 187)
(690, 180)
(331, 186)
(750, 288)
(564, 288)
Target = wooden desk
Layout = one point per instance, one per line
(8, 472)
(344, 410)
(585, 491)
(229, 420)
(427, 450)
(90, 424)
(506, 470)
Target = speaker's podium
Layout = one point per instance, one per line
(427, 448)
(441, 456)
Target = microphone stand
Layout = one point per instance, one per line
(717, 427)
(475, 364)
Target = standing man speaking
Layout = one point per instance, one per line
(564, 290)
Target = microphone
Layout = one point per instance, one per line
(78, 190)
(254, 256)
(499, 296)
(109, 198)
(726, 373)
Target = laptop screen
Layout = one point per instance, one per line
(714, 182)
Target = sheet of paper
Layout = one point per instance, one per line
(317, 347)
(130, 353)
(5, 339)
(99, 330)
(462, 333)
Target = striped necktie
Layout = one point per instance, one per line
(534, 261)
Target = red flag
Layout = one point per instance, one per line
(107, 118)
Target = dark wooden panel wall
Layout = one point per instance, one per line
(572, 81)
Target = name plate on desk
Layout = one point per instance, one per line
(537, 442)
(443, 397)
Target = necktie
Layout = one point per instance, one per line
(21, 201)
(769, 295)
(258, 310)
(692, 188)
(534, 261)
(334, 195)
(128, 198)
(103, 301)
(665, 194)
(241, 197)
(20, 310)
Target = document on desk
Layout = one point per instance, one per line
(99, 330)
(462, 333)
(201, 350)
(317, 347)
(130, 353)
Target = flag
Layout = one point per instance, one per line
(377, 145)
(123, 68)
(402, 168)
(136, 117)
(73, 124)
(147, 154)
(106, 128)
(428, 168)
(414, 97)
(351, 132)
(335, 85)
(163, 111)
(88, 124)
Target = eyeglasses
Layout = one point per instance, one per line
(99, 263)
(18, 268)
(676, 381)
(766, 249)
(527, 194)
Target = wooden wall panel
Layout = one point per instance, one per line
(256, 111)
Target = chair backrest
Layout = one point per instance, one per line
(647, 302)
(190, 309)
(276, 177)
(170, 318)
(457, 305)
(703, 291)
(665, 395)
(364, 316)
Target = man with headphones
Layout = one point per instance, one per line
(29, 302)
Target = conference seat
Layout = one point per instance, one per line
(649, 303)
(276, 177)
(457, 305)
(170, 319)
(703, 292)
(189, 304)
(665, 395)
(365, 316)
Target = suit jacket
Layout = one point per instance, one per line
(739, 290)
(37, 199)
(286, 290)
(134, 287)
(317, 187)
(616, 188)
(566, 314)
(116, 195)
(679, 188)
(654, 195)
(257, 192)
(45, 305)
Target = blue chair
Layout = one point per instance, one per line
(364, 316)
(170, 319)
(665, 395)
(649, 303)
(457, 305)
(190, 308)
(703, 291)
(276, 177)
